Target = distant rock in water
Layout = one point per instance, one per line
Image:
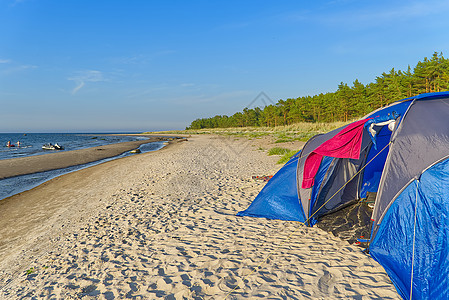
(135, 151)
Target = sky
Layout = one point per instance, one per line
(144, 65)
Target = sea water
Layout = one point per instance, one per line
(31, 144)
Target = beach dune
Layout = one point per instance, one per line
(163, 225)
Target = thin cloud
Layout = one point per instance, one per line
(405, 12)
(9, 67)
(16, 2)
(83, 77)
(350, 13)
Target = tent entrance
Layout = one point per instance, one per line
(350, 222)
(342, 183)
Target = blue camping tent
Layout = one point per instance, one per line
(402, 153)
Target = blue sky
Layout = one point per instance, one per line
(108, 65)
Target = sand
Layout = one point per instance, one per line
(163, 225)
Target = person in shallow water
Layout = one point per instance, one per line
(8, 144)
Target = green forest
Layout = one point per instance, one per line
(348, 102)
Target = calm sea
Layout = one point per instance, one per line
(31, 144)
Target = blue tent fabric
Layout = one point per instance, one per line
(373, 171)
(279, 198)
(393, 246)
(379, 119)
(398, 108)
(410, 177)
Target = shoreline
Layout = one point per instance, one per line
(64, 159)
(30, 217)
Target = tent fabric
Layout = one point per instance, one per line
(421, 139)
(330, 195)
(376, 159)
(306, 195)
(346, 144)
(408, 168)
(279, 198)
(373, 171)
(378, 123)
(331, 191)
(328, 163)
(396, 247)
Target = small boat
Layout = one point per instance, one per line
(50, 146)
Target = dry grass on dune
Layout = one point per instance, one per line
(299, 131)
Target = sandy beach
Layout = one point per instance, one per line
(163, 225)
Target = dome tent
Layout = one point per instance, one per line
(408, 167)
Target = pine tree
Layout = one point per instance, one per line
(429, 75)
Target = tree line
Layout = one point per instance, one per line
(429, 75)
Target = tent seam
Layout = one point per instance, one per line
(393, 199)
(414, 239)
